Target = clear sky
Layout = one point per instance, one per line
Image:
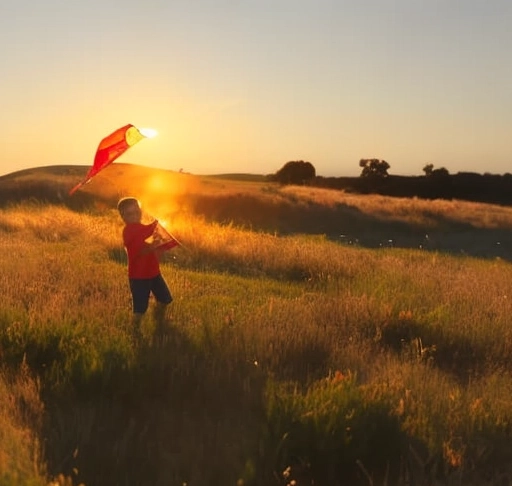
(248, 85)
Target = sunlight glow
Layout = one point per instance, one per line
(148, 132)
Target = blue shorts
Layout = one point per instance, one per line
(141, 288)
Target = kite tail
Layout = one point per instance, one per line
(78, 186)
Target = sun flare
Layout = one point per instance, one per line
(148, 132)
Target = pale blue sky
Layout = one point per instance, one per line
(246, 86)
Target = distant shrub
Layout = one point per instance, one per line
(295, 172)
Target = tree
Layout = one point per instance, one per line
(374, 168)
(431, 172)
(428, 169)
(295, 172)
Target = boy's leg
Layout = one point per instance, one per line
(159, 311)
(161, 290)
(140, 289)
(163, 299)
(161, 325)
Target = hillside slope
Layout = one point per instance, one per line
(478, 229)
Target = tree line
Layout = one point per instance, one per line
(436, 183)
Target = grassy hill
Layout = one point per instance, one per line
(462, 227)
(316, 337)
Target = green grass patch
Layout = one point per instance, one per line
(286, 358)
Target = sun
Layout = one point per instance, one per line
(148, 132)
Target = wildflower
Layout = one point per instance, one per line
(338, 376)
(405, 315)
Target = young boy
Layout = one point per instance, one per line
(143, 265)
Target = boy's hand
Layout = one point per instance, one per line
(157, 239)
(157, 236)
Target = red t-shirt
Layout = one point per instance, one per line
(140, 265)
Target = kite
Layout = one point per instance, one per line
(112, 147)
(163, 239)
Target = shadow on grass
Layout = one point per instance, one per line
(454, 354)
(118, 255)
(41, 191)
(173, 416)
(346, 224)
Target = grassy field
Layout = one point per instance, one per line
(316, 337)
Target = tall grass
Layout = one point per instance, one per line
(21, 417)
(289, 358)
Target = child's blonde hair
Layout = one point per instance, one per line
(125, 202)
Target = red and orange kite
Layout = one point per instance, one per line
(110, 148)
(165, 239)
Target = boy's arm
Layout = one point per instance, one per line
(136, 243)
(157, 245)
(149, 247)
(150, 231)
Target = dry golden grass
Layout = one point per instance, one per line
(21, 419)
(423, 334)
